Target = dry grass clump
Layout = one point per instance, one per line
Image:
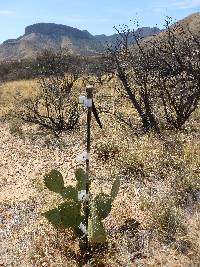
(15, 128)
(106, 150)
(160, 178)
(12, 95)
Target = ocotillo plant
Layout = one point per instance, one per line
(80, 210)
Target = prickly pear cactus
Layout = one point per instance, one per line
(54, 181)
(115, 189)
(69, 213)
(81, 179)
(96, 232)
(103, 205)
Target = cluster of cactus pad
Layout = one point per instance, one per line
(71, 212)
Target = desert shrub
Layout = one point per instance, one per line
(168, 219)
(96, 71)
(54, 107)
(165, 216)
(133, 70)
(160, 76)
(29, 68)
(178, 73)
(106, 150)
(17, 69)
(185, 188)
(15, 128)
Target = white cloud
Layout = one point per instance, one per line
(4, 12)
(186, 4)
(176, 4)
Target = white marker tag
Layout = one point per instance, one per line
(82, 99)
(87, 102)
(83, 156)
(83, 228)
(82, 196)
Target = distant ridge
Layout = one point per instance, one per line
(50, 35)
(53, 29)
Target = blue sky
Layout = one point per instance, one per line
(95, 16)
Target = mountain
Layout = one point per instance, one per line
(192, 22)
(190, 25)
(142, 32)
(50, 35)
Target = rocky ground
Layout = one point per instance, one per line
(22, 166)
(135, 225)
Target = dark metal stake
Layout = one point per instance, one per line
(85, 245)
(89, 91)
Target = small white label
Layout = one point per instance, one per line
(83, 156)
(83, 228)
(89, 86)
(82, 99)
(87, 102)
(82, 196)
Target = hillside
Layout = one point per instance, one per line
(51, 35)
(190, 24)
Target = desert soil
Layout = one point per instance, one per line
(22, 166)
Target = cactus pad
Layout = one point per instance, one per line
(53, 216)
(103, 205)
(96, 232)
(54, 181)
(115, 189)
(81, 179)
(70, 213)
(69, 192)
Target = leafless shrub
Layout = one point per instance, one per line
(54, 107)
(178, 73)
(133, 70)
(160, 72)
(97, 71)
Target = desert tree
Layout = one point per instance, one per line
(162, 70)
(54, 107)
(178, 72)
(131, 63)
(97, 71)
